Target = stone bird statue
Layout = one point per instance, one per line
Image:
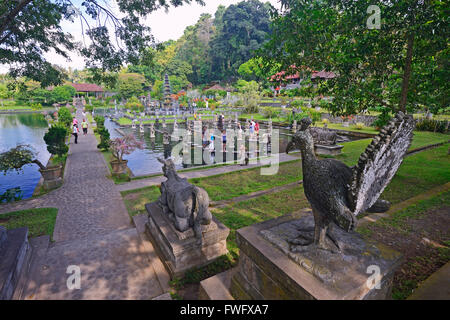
(338, 193)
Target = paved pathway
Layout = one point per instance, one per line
(94, 232)
(147, 182)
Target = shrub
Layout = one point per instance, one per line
(64, 116)
(251, 109)
(36, 106)
(297, 103)
(325, 121)
(100, 121)
(104, 138)
(269, 112)
(16, 158)
(12, 194)
(432, 125)
(55, 138)
(134, 104)
(297, 116)
(314, 115)
(359, 126)
(383, 118)
(124, 145)
(89, 108)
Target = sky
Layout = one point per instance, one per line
(164, 26)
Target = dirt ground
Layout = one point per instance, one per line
(424, 242)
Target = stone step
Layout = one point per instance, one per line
(14, 258)
(435, 287)
(29, 280)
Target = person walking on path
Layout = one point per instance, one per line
(84, 125)
(75, 132)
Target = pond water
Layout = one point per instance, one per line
(23, 128)
(144, 161)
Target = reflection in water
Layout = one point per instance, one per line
(23, 128)
(144, 161)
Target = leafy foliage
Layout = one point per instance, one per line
(55, 138)
(30, 28)
(403, 63)
(124, 145)
(64, 117)
(16, 158)
(134, 104)
(11, 195)
(130, 84)
(432, 125)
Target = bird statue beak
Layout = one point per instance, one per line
(289, 146)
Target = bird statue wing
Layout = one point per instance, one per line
(380, 161)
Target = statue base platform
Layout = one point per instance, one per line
(269, 268)
(179, 251)
(52, 184)
(328, 150)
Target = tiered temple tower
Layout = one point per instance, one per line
(167, 98)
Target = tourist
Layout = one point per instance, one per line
(75, 132)
(84, 125)
(257, 128)
(224, 140)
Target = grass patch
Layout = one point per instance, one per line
(234, 184)
(338, 126)
(404, 231)
(240, 215)
(418, 173)
(39, 221)
(135, 200)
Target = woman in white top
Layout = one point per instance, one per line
(75, 132)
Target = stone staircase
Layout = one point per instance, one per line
(15, 257)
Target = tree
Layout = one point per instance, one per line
(249, 93)
(64, 117)
(30, 28)
(131, 84)
(17, 157)
(256, 69)
(244, 28)
(63, 93)
(398, 66)
(55, 138)
(124, 145)
(193, 48)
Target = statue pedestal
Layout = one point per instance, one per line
(328, 150)
(269, 269)
(179, 251)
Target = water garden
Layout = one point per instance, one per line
(204, 169)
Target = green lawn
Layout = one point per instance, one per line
(418, 173)
(234, 184)
(411, 179)
(40, 221)
(338, 126)
(135, 200)
(404, 230)
(260, 117)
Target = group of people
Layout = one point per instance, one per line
(254, 127)
(76, 130)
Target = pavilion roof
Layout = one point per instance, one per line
(86, 87)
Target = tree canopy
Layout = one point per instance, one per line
(397, 66)
(30, 28)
